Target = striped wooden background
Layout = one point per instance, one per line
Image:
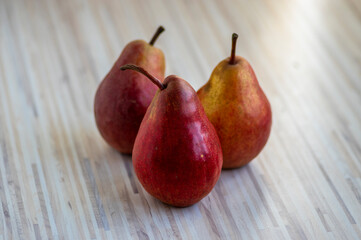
(59, 180)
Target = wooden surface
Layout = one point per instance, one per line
(59, 180)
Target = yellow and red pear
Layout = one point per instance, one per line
(238, 109)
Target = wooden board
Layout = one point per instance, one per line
(59, 180)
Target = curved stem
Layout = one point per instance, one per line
(156, 35)
(233, 52)
(145, 73)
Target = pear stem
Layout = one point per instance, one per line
(233, 52)
(156, 35)
(141, 70)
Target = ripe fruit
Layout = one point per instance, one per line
(177, 154)
(123, 97)
(238, 109)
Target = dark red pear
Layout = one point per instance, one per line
(177, 155)
(123, 97)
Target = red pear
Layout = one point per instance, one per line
(238, 108)
(123, 97)
(177, 155)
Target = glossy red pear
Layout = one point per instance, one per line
(177, 155)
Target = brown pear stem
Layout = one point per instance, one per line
(144, 72)
(156, 35)
(233, 52)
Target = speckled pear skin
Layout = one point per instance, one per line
(123, 97)
(238, 109)
(177, 155)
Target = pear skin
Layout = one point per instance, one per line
(238, 109)
(122, 98)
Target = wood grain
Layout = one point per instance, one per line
(59, 180)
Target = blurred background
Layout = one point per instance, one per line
(58, 178)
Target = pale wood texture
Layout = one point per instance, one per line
(59, 180)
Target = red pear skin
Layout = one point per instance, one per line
(123, 97)
(177, 155)
(238, 109)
